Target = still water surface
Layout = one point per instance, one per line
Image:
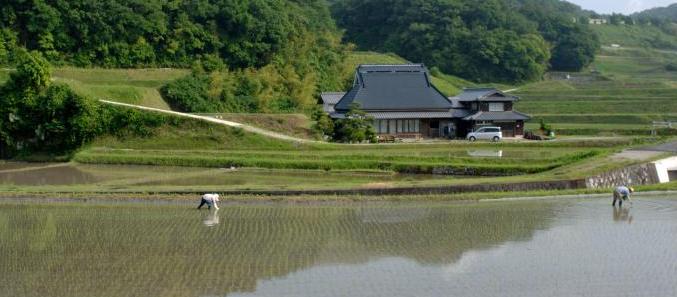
(531, 248)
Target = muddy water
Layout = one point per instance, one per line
(571, 248)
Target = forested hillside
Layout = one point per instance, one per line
(665, 13)
(276, 52)
(493, 40)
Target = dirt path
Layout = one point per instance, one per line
(247, 128)
(24, 169)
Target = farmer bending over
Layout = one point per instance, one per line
(620, 194)
(210, 200)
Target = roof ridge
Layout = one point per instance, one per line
(391, 65)
(478, 89)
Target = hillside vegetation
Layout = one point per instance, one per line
(668, 13)
(278, 53)
(486, 41)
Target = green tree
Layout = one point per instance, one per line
(190, 94)
(322, 123)
(38, 116)
(356, 127)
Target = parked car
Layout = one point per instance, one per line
(486, 133)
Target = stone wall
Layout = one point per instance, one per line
(644, 174)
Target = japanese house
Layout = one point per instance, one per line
(404, 103)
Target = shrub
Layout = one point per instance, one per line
(671, 67)
(322, 123)
(356, 127)
(545, 127)
(190, 94)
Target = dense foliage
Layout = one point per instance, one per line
(323, 125)
(573, 44)
(493, 40)
(356, 127)
(268, 89)
(129, 33)
(37, 116)
(290, 50)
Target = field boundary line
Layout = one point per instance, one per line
(232, 124)
(35, 168)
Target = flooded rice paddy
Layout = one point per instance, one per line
(186, 178)
(530, 248)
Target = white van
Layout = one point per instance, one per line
(486, 133)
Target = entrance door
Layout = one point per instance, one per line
(434, 128)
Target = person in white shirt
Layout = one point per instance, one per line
(620, 194)
(210, 200)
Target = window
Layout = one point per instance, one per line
(411, 126)
(383, 127)
(496, 106)
(400, 126)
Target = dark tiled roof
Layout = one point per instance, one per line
(332, 97)
(498, 116)
(456, 113)
(394, 87)
(484, 94)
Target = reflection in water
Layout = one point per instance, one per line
(62, 175)
(212, 219)
(486, 153)
(622, 215)
(508, 249)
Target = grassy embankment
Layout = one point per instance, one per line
(133, 86)
(202, 145)
(632, 89)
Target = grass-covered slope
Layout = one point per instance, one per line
(133, 86)
(644, 36)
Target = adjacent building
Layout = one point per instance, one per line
(491, 107)
(404, 103)
(598, 21)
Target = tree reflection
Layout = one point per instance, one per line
(164, 251)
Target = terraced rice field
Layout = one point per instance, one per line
(632, 90)
(112, 178)
(475, 160)
(532, 248)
